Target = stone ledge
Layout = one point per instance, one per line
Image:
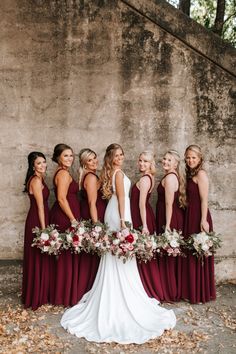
(194, 35)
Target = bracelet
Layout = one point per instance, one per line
(122, 219)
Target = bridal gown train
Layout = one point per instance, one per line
(117, 308)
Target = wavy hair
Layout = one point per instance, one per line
(84, 156)
(150, 157)
(182, 178)
(30, 171)
(191, 172)
(108, 170)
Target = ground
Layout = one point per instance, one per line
(205, 328)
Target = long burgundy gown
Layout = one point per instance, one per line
(89, 262)
(36, 268)
(198, 281)
(66, 282)
(149, 272)
(170, 267)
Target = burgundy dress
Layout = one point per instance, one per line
(89, 262)
(149, 272)
(66, 282)
(170, 267)
(198, 282)
(36, 277)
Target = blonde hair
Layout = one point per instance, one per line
(182, 178)
(107, 170)
(191, 172)
(150, 157)
(84, 156)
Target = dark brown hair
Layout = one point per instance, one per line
(58, 150)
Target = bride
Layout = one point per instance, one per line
(117, 308)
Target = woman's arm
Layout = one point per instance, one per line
(120, 192)
(170, 184)
(90, 185)
(203, 186)
(144, 186)
(63, 180)
(36, 188)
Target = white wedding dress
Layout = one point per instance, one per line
(117, 308)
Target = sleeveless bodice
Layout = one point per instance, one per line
(193, 212)
(135, 212)
(177, 219)
(57, 215)
(34, 208)
(127, 184)
(100, 203)
(161, 191)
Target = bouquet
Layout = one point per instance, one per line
(146, 247)
(128, 243)
(123, 243)
(204, 244)
(48, 240)
(169, 243)
(97, 239)
(74, 235)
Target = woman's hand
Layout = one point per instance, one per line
(145, 230)
(204, 226)
(74, 223)
(167, 228)
(122, 224)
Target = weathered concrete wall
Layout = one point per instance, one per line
(89, 73)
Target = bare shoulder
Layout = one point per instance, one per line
(63, 174)
(36, 181)
(90, 177)
(202, 176)
(171, 177)
(119, 175)
(145, 181)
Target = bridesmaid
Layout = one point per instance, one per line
(198, 283)
(170, 215)
(64, 213)
(92, 207)
(35, 289)
(143, 217)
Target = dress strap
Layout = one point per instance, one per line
(150, 181)
(88, 173)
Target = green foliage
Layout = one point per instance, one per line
(204, 12)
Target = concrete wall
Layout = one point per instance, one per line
(89, 73)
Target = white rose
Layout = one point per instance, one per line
(44, 236)
(98, 228)
(68, 238)
(205, 247)
(116, 242)
(81, 230)
(174, 243)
